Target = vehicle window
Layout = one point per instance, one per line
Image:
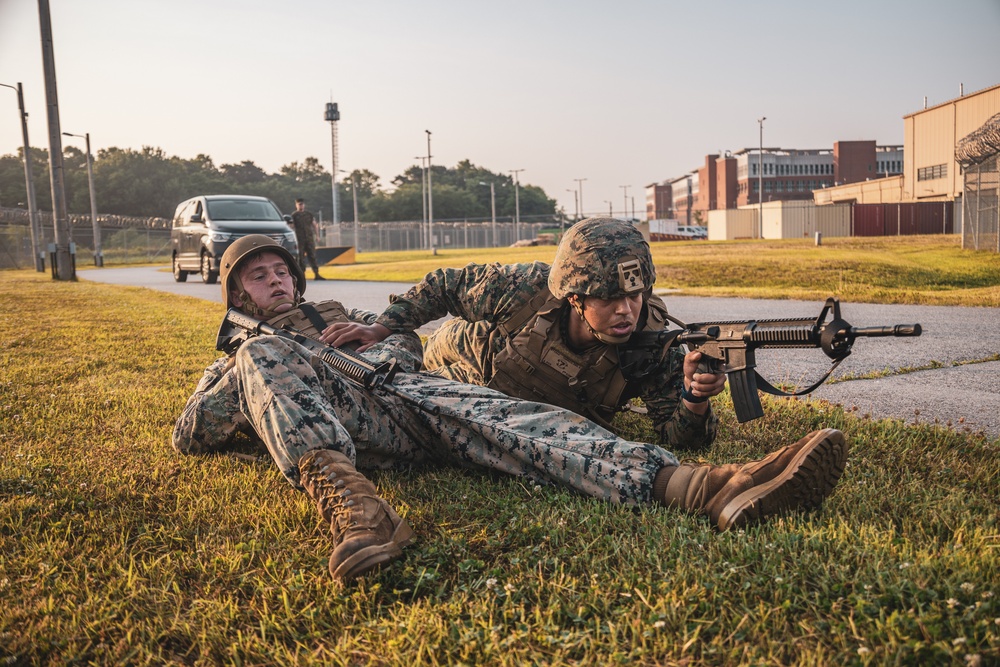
(181, 215)
(242, 209)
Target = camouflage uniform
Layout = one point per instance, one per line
(302, 223)
(294, 402)
(483, 296)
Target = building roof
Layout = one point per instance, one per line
(952, 100)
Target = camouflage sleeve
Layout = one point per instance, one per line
(675, 425)
(475, 293)
(212, 415)
(403, 346)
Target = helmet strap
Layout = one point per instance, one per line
(576, 301)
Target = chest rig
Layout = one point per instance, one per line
(309, 319)
(538, 364)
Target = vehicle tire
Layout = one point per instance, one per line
(180, 275)
(207, 274)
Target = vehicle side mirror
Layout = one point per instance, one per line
(196, 217)
(287, 218)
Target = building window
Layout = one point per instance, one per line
(931, 173)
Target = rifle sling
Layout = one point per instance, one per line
(767, 387)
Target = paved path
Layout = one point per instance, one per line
(967, 395)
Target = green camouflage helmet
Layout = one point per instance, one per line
(604, 258)
(248, 246)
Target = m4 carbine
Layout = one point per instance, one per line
(729, 347)
(237, 327)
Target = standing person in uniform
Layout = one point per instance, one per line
(322, 430)
(306, 231)
(551, 333)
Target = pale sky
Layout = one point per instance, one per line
(620, 93)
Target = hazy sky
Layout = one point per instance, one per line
(620, 93)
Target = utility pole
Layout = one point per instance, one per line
(625, 195)
(98, 253)
(579, 185)
(430, 198)
(517, 205)
(493, 211)
(423, 200)
(760, 180)
(64, 266)
(354, 196)
(29, 184)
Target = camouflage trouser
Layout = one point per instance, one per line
(455, 350)
(307, 250)
(296, 403)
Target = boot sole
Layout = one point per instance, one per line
(375, 556)
(804, 483)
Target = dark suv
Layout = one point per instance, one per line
(204, 226)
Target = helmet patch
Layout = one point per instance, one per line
(630, 276)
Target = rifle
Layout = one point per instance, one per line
(238, 327)
(729, 347)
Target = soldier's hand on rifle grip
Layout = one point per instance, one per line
(700, 383)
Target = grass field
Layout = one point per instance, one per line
(116, 550)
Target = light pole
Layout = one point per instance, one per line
(576, 206)
(333, 116)
(354, 199)
(493, 210)
(625, 196)
(29, 184)
(517, 204)
(98, 254)
(430, 198)
(579, 185)
(610, 212)
(760, 179)
(423, 199)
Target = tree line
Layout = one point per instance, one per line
(149, 183)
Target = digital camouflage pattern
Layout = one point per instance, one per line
(481, 296)
(305, 236)
(602, 257)
(294, 402)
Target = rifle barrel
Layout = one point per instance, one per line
(894, 330)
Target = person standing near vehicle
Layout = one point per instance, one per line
(306, 231)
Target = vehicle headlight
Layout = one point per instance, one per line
(290, 237)
(220, 237)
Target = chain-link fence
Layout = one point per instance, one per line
(127, 245)
(979, 155)
(389, 236)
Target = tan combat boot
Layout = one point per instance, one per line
(799, 476)
(367, 532)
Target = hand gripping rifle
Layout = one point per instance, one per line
(238, 327)
(729, 347)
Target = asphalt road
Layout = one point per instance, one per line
(966, 395)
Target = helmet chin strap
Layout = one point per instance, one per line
(576, 301)
(253, 310)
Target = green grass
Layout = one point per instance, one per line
(894, 269)
(116, 550)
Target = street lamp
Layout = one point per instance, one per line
(625, 195)
(423, 198)
(576, 206)
(493, 210)
(98, 254)
(517, 205)
(29, 184)
(579, 184)
(354, 199)
(760, 179)
(430, 198)
(610, 212)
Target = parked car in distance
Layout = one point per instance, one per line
(204, 226)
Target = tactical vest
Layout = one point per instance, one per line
(310, 318)
(537, 364)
